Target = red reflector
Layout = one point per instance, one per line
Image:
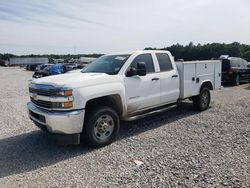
(230, 71)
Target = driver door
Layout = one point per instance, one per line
(143, 92)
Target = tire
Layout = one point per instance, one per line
(101, 127)
(236, 80)
(202, 101)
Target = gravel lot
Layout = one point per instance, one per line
(179, 147)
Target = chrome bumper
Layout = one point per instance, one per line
(70, 122)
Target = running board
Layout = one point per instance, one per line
(149, 112)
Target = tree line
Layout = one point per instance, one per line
(207, 51)
(186, 52)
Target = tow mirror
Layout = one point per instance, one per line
(141, 69)
(131, 72)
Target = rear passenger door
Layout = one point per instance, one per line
(169, 77)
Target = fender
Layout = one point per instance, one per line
(85, 94)
(209, 84)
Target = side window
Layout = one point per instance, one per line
(164, 62)
(244, 63)
(147, 59)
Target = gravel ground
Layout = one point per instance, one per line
(179, 147)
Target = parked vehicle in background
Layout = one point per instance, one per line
(70, 66)
(90, 104)
(31, 67)
(42, 71)
(85, 60)
(50, 70)
(54, 69)
(41, 67)
(57, 69)
(235, 70)
(4, 63)
(81, 66)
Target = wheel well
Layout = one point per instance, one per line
(207, 84)
(113, 101)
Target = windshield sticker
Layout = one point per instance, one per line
(120, 58)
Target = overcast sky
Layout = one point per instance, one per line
(105, 26)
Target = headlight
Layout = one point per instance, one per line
(66, 93)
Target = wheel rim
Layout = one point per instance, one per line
(205, 99)
(104, 127)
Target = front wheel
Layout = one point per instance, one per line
(202, 101)
(101, 127)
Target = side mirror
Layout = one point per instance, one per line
(131, 72)
(248, 65)
(141, 69)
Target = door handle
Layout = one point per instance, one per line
(155, 79)
(175, 76)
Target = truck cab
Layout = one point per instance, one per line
(156, 86)
(123, 86)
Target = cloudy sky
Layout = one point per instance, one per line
(105, 26)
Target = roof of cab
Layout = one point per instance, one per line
(137, 51)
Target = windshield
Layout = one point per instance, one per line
(110, 64)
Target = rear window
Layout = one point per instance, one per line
(225, 65)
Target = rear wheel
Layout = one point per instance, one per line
(236, 80)
(101, 127)
(202, 101)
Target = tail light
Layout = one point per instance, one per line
(230, 70)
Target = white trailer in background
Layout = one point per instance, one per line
(28, 61)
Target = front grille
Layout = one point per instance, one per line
(45, 104)
(43, 92)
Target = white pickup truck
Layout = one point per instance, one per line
(89, 104)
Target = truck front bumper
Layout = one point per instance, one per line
(62, 122)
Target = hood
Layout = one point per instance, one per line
(73, 71)
(77, 79)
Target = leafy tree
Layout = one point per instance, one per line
(207, 51)
(246, 55)
(186, 52)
